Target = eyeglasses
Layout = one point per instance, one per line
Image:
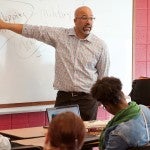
(84, 18)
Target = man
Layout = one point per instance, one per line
(81, 58)
(130, 126)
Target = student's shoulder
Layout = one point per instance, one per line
(145, 109)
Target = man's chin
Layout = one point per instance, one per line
(87, 32)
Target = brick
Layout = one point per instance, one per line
(140, 53)
(5, 127)
(148, 53)
(141, 35)
(141, 4)
(148, 69)
(18, 126)
(21, 118)
(36, 119)
(141, 17)
(140, 69)
(5, 120)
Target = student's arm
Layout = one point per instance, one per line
(115, 142)
(17, 28)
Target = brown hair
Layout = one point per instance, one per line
(107, 90)
(66, 131)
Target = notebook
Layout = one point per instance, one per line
(52, 112)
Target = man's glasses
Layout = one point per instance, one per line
(84, 18)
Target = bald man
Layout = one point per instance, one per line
(81, 59)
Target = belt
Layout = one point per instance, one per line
(73, 94)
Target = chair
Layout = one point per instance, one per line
(146, 147)
(28, 147)
(140, 91)
(16, 146)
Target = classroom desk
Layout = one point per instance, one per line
(35, 136)
(39, 142)
(33, 132)
(24, 133)
(34, 141)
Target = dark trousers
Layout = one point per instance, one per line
(87, 104)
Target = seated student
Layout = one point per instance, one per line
(130, 126)
(140, 92)
(66, 132)
(4, 143)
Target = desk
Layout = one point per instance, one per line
(34, 141)
(33, 132)
(39, 142)
(24, 133)
(36, 135)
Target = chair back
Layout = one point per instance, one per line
(146, 147)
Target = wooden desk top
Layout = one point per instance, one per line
(25, 133)
(34, 141)
(33, 132)
(36, 135)
(92, 141)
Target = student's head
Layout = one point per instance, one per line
(66, 132)
(108, 91)
(140, 92)
(83, 19)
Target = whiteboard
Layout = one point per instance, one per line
(27, 66)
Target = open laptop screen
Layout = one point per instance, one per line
(52, 112)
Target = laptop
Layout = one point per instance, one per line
(52, 112)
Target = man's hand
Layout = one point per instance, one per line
(11, 26)
(2, 24)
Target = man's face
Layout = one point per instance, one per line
(83, 23)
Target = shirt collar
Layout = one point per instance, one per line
(72, 33)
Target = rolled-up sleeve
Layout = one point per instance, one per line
(45, 34)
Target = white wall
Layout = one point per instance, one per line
(27, 66)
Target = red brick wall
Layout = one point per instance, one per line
(23, 120)
(34, 119)
(141, 53)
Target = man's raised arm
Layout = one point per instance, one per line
(11, 26)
